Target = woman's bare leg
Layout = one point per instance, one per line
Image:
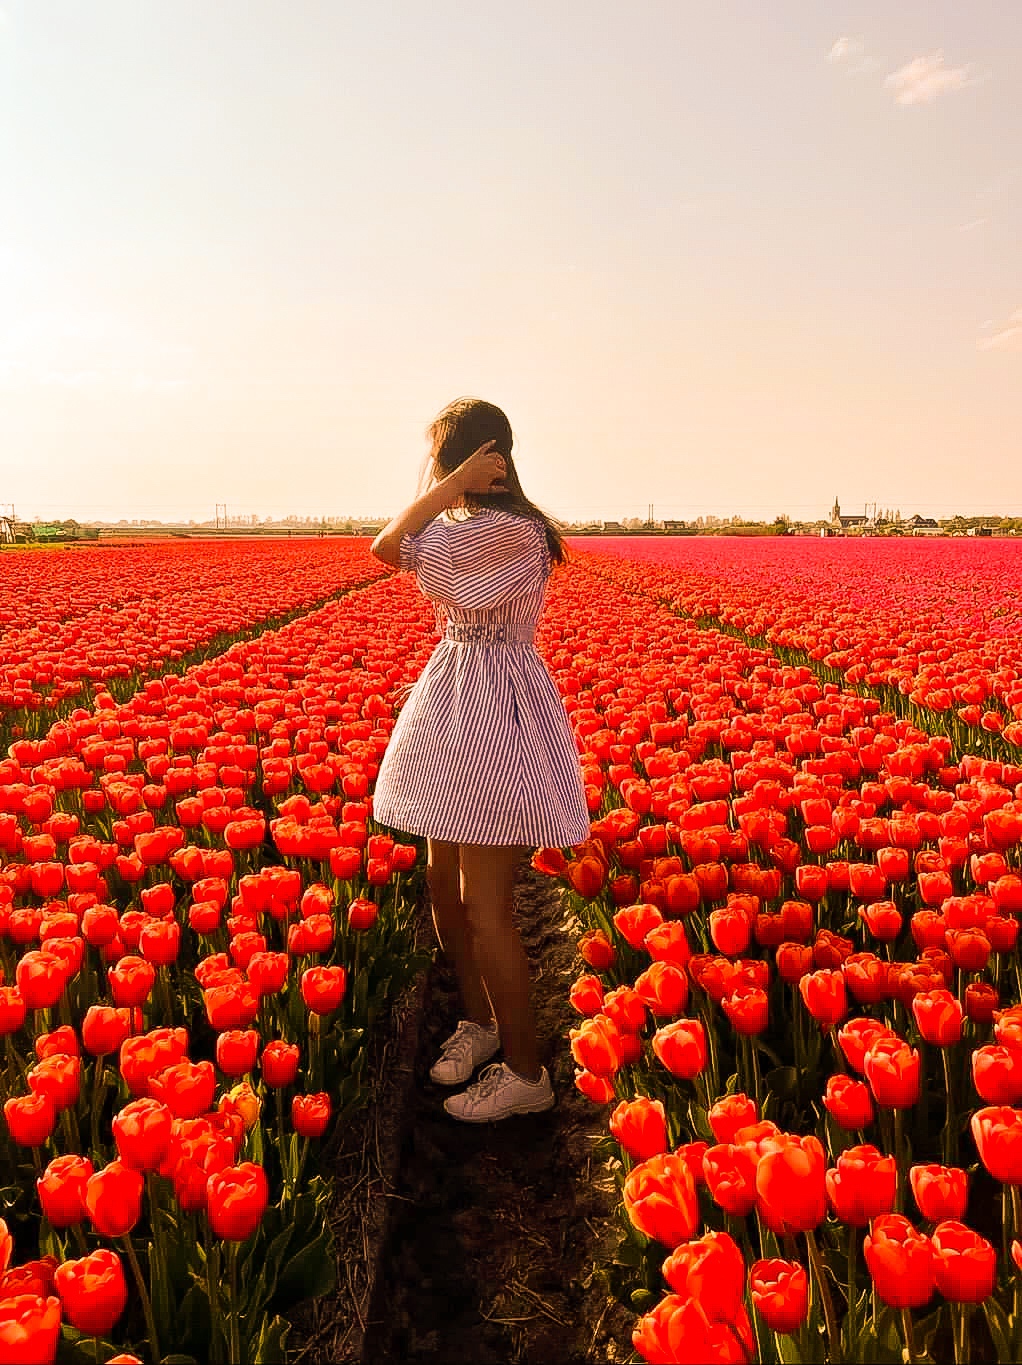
(487, 885)
(443, 874)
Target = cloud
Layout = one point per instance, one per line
(851, 55)
(972, 225)
(1007, 337)
(924, 79)
(845, 49)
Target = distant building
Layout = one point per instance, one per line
(922, 526)
(843, 523)
(613, 528)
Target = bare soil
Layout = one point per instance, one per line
(492, 1230)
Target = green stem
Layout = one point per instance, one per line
(950, 1132)
(910, 1337)
(850, 1309)
(213, 1291)
(1016, 1279)
(235, 1314)
(899, 1164)
(820, 1275)
(147, 1306)
(960, 1317)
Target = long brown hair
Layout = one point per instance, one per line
(458, 431)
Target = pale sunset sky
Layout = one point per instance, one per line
(721, 257)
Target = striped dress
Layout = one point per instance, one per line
(482, 752)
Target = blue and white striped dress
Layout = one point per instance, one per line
(482, 751)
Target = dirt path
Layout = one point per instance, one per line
(495, 1228)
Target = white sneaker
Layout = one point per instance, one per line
(468, 1047)
(498, 1092)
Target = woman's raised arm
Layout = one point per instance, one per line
(481, 473)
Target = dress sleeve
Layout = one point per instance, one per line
(478, 564)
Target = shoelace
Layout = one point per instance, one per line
(460, 1041)
(490, 1080)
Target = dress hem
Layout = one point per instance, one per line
(447, 836)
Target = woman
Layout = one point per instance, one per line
(481, 761)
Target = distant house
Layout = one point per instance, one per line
(922, 526)
(979, 531)
(613, 528)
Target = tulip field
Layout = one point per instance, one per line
(799, 998)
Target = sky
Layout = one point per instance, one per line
(725, 259)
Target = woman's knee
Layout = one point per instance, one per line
(443, 873)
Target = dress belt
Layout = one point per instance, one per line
(490, 633)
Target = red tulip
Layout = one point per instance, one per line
(12, 1010)
(113, 1199)
(186, 1088)
(30, 1119)
(892, 1070)
(730, 1171)
(981, 1000)
(61, 1189)
(59, 1042)
(660, 1199)
(790, 1185)
(93, 1291)
(41, 977)
(823, 993)
(663, 987)
(58, 1078)
(940, 1191)
(131, 980)
(104, 1029)
(862, 1185)
(681, 1047)
(323, 988)
(634, 922)
(29, 1329)
(142, 1132)
(279, 1063)
(236, 1051)
(596, 1045)
(623, 1006)
(997, 1132)
(780, 1294)
(310, 1114)
(595, 1088)
(730, 1114)
(147, 1054)
(712, 1271)
(849, 1102)
(997, 1073)
(640, 1126)
(596, 950)
(678, 1329)
(900, 1260)
(938, 1017)
(882, 919)
(236, 1199)
(964, 1263)
(748, 1009)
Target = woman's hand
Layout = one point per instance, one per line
(483, 471)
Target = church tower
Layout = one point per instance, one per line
(835, 512)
